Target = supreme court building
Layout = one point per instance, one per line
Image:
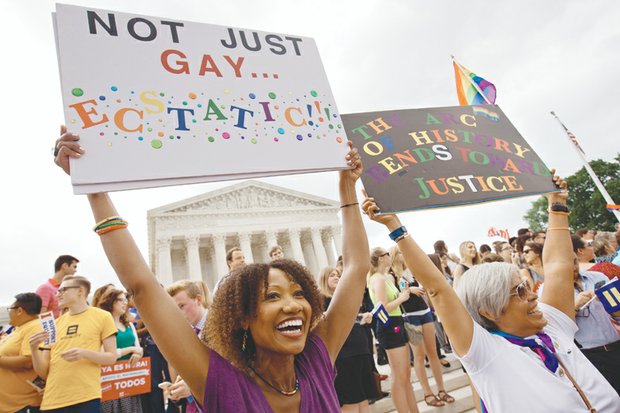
(188, 239)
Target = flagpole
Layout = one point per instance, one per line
(586, 165)
(474, 84)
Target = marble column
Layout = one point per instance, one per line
(272, 239)
(164, 261)
(245, 243)
(319, 249)
(308, 251)
(193, 257)
(219, 247)
(337, 234)
(298, 254)
(327, 244)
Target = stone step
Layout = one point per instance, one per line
(456, 384)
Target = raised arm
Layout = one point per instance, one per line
(345, 305)
(454, 317)
(165, 322)
(558, 254)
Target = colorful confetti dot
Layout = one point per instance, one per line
(309, 135)
(140, 138)
(114, 89)
(276, 139)
(276, 107)
(331, 126)
(185, 103)
(211, 138)
(300, 138)
(171, 137)
(102, 97)
(254, 141)
(156, 144)
(310, 123)
(272, 95)
(226, 135)
(339, 139)
(192, 95)
(76, 91)
(149, 129)
(101, 133)
(226, 90)
(160, 134)
(109, 143)
(313, 93)
(252, 96)
(281, 131)
(162, 94)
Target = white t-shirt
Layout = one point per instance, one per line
(511, 378)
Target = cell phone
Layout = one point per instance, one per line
(403, 284)
(599, 284)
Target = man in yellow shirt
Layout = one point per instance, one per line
(72, 365)
(16, 393)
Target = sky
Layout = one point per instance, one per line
(556, 55)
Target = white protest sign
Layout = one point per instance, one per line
(168, 101)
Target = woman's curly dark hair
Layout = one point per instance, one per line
(237, 299)
(107, 302)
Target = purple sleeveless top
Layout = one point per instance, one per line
(228, 390)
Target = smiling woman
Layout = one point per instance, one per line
(520, 354)
(262, 353)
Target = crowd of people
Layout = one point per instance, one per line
(520, 315)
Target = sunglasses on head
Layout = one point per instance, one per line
(384, 254)
(522, 290)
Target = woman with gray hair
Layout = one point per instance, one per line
(519, 353)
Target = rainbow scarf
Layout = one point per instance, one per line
(540, 344)
(466, 92)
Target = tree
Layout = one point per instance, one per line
(586, 203)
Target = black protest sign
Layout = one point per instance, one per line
(439, 157)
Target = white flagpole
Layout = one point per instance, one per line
(586, 165)
(474, 84)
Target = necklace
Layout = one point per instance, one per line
(285, 393)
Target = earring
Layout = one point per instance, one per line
(244, 341)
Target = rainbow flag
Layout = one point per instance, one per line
(467, 93)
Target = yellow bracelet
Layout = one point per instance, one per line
(559, 228)
(103, 221)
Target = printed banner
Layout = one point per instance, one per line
(120, 380)
(158, 101)
(439, 157)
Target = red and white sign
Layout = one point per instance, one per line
(120, 380)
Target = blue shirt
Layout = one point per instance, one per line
(595, 326)
(617, 259)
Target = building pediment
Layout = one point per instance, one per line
(248, 195)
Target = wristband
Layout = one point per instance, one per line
(557, 207)
(398, 232)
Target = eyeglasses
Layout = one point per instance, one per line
(62, 290)
(522, 290)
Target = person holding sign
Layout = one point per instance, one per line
(72, 365)
(269, 345)
(392, 337)
(519, 353)
(127, 347)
